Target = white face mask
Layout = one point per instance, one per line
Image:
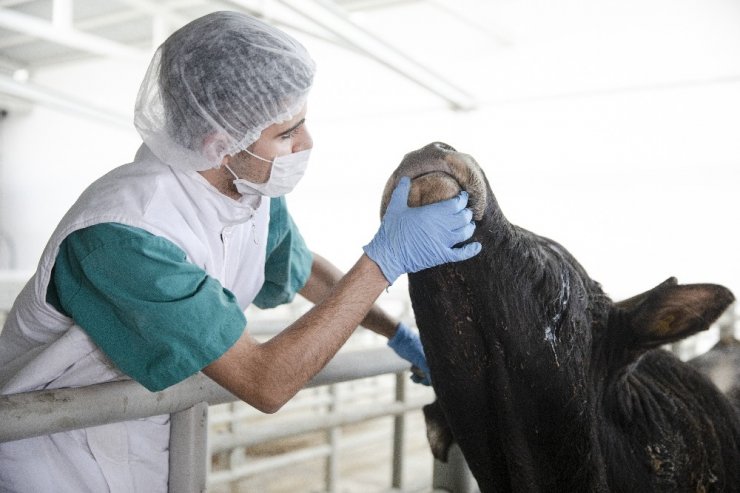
(285, 174)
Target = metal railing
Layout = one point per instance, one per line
(49, 411)
(320, 431)
(192, 441)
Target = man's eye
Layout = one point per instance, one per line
(292, 133)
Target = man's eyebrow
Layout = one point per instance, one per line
(303, 120)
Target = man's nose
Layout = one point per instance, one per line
(306, 141)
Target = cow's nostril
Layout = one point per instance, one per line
(443, 146)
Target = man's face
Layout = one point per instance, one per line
(276, 140)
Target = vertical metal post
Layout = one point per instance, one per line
(453, 476)
(61, 14)
(188, 449)
(236, 456)
(331, 475)
(399, 433)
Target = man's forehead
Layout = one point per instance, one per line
(287, 125)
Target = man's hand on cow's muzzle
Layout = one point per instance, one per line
(406, 344)
(411, 239)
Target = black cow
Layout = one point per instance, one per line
(546, 383)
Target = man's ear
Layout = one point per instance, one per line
(214, 148)
(670, 311)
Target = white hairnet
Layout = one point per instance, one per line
(215, 84)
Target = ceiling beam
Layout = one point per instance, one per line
(45, 30)
(163, 20)
(10, 64)
(46, 97)
(12, 3)
(88, 24)
(330, 17)
(61, 14)
(365, 5)
(158, 9)
(495, 33)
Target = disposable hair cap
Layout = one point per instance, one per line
(215, 84)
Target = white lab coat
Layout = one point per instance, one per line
(42, 349)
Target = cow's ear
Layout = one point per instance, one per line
(670, 311)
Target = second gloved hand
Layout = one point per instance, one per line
(411, 239)
(406, 344)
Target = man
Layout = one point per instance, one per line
(148, 275)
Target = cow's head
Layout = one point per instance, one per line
(541, 269)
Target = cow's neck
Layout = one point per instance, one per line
(510, 395)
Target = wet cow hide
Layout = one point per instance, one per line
(545, 382)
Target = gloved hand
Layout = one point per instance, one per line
(406, 344)
(411, 239)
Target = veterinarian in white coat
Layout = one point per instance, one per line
(148, 275)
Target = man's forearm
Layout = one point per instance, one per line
(324, 276)
(267, 375)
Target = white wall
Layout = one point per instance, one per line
(609, 126)
(48, 156)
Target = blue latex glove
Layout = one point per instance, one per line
(406, 344)
(411, 239)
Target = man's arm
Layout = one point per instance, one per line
(324, 276)
(266, 375)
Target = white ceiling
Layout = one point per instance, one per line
(39, 33)
(460, 53)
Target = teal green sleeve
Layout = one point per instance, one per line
(158, 317)
(289, 260)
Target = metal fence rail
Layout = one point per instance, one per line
(193, 442)
(50, 411)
